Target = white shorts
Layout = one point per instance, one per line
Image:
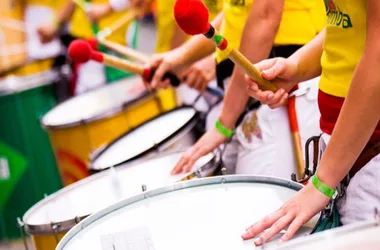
(263, 144)
(363, 192)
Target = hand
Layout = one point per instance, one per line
(97, 11)
(47, 32)
(281, 72)
(163, 63)
(206, 144)
(200, 74)
(296, 212)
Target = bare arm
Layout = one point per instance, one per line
(257, 40)
(64, 15)
(360, 113)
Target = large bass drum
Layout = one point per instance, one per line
(210, 213)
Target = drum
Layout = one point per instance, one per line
(52, 217)
(84, 123)
(210, 213)
(27, 165)
(174, 130)
(363, 235)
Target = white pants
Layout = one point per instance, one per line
(363, 192)
(263, 144)
(91, 75)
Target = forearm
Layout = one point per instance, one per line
(308, 59)
(64, 15)
(260, 36)
(198, 46)
(357, 121)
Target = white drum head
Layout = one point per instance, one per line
(357, 236)
(110, 98)
(143, 138)
(200, 214)
(107, 188)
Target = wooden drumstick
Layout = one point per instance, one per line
(81, 51)
(126, 19)
(123, 50)
(192, 17)
(296, 138)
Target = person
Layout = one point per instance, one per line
(263, 141)
(349, 94)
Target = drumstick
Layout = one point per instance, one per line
(126, 19)
(192, 17)
(80, 51)
(296, 138)
(123, 50)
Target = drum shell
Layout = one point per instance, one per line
(73, 145)
(183, 138)
(23, 101)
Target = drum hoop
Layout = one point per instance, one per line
(339, 231)
(33, 81)
(228, 179)
(157, 148)
(65, 226)
(145, 95)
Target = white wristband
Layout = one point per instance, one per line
(119, 5)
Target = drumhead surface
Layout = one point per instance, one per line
(357, 236)
(91, 105)
(107, 188)
(143, 138)
(210, 213)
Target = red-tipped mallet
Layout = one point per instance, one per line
(192, 16)
(80, 51)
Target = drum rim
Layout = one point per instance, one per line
(144, 95)
(66, 225)
(339, 231)
(175, 187)
(156, 148)
(33, 81)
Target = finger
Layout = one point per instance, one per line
(199, 82)
(263, 96)
(275, 229)
(265, 64)
(182, 162)
(276, 97)
(191, 80)
(265, 223)
(274, 71)
(159, 74)
(198, 153)
(282, 102)
(293, 228)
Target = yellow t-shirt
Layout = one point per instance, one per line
(80, 25)
(166, 22)
(343, 46)
(301, 21)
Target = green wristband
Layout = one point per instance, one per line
(223, 130)
(323, 188)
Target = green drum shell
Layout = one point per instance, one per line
(23, 102)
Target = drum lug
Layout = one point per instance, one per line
(143, 188)
(224, 171)
(21, 225)
(54, 227)
(377, 216)
(77, 219)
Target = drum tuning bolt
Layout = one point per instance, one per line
(224, 171)
(377, 216)
(21, 225)
(143, 187)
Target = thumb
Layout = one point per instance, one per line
(274, 71)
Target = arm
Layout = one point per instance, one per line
(259, 32)
(360, 113)
(66, 12)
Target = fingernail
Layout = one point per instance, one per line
(244, 235)
(259, 241)
(270, 96)
(255, 88)
(282, 91)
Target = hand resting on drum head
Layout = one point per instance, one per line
(205, 145)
